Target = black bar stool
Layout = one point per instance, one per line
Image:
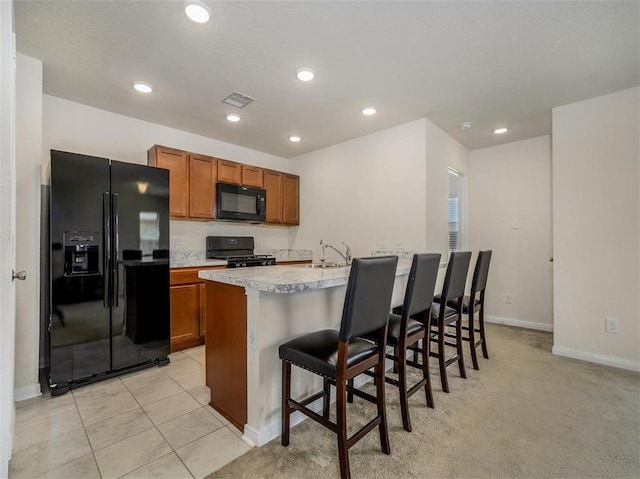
(405, 332)
(339, 356)
(443, 315)
(476, 298)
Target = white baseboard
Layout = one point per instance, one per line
(27, 392)
(596, 358)
(519, 323)
(262, 436)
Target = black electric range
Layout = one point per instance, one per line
(237, 250)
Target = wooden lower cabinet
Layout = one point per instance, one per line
(226, 351)
(188, 308)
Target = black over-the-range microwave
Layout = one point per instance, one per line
(240, 203)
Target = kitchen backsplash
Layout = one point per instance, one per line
(288, 254)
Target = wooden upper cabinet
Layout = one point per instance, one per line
(193, 178)
(273, 185)
(202, 184)
(252, 176)
(291, 200)
(177, 162)
(229, 172)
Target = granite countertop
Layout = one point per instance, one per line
(197, 262)
(287, 279)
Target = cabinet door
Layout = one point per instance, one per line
(177, 162)
(184, 313)
(291, 199)
(229, 172)
(252, 176)
(273, 186)
(202, 182)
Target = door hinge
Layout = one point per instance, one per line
(50, 322)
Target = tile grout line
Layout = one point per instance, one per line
(84, 428)
(158, 429)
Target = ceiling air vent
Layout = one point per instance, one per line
(238, 99)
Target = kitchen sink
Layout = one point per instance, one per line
(326, 265)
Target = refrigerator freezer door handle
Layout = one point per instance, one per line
(106, 254)
(116, 248)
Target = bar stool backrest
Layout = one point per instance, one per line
(456, 277)
(481, 271)
(368, 297)
(421, 283)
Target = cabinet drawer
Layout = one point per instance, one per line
(185, 276)
(188, 275)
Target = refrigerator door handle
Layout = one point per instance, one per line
(116, 248)
(106, 241)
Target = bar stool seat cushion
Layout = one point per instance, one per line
(393, 336)
(465, 305)
(318, 351)
(393, 333)
(435, 311)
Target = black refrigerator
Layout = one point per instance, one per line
(108, 269)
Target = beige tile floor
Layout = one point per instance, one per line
(153, 423)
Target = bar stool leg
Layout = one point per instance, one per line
(286, 410)
(459, 351)
(341, 420)
(472, 340)
(350, 394)
(402, 385)
(426, 350)
(326, 398)
(441, 358)
(382, 413)
(482, 336)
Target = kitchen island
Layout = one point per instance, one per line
(250, 312)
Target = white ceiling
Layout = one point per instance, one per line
(493, 63)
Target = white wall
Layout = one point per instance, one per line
(79, 128)
(442, 152)
(379, 191)
(507, 182)
(28, 166)
(596, 215)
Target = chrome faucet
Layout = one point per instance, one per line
(346, 256)
(323, 261)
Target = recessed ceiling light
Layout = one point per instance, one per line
(369, 111)
(197, 11)
(142, 87)
(233, 117)
(305, 74)
(294, 139)
(465, 125)
(500, 131)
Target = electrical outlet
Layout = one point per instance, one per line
(611, 325)
(178, 244)
(507, 298)
(252, 339)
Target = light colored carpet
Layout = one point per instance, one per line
(524, 414)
